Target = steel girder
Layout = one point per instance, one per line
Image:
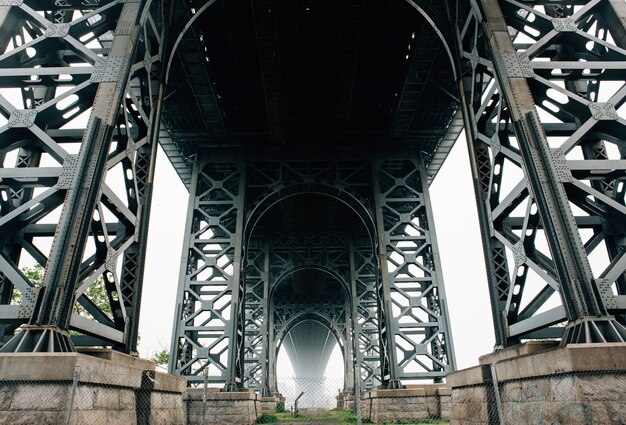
(258, 338)
(80, 97)
(365, 317)
(543, 87)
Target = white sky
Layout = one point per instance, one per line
(459, 242)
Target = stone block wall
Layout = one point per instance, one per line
(574, 398)
(38, 388)
(578, 384)
(221, 408)
(166, 408)
(267, 404)
(30, 403)
(414, 402)
(345, 401)
(470, 405)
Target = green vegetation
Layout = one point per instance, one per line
(163, 357)
(96, 291)
(280, 407)
(267, 419)
(335, 417)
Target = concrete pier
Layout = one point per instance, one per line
(541, 383)
(413, 402)
(76, 388)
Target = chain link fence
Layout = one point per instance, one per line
(317, 393)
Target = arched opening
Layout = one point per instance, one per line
(320, 382)
(308, 86)
(307, 239)
(311, 309)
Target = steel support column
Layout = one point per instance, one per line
(414, 328)
(365, 317)
(96, 219)
(527, 123)
(209, 319)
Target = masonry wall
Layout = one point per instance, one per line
(411, 403)
(578, 384)
(239, 408)
(49, 388)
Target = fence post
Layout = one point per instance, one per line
(204, 395)
(296, 411)
(357, 401)
(70, 405)
(496, 393)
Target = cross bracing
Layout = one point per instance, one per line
(307, 134)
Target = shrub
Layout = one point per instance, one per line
(267, 419)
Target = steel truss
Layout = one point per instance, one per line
(80, 98)
(207, 333)
(227, 319)
(543, 86)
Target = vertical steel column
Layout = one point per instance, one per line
(437, 300)
(588, 317)
(365, 317)
(259, 337)
(493, 159)
(413, 297)
(50, 319)
(388, 373)
(348, 349)
(181, 343)
(148, 88)
(267, 334)
(543, 55)
(357, 357)
(208, 326)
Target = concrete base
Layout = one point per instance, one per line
(411, 403)
(241, 408)
(345, 401)
(539, 383)
(38, 388)
(268, 404)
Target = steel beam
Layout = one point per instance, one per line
(414, 325)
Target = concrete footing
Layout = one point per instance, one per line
(269, 404)
(222, 408)
(345, 401)
(59, 388)
(411, 403)
(542, 383)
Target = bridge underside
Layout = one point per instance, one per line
(308, 133)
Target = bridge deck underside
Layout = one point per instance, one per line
(297, 77)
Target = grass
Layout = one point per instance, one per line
(336, 417)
